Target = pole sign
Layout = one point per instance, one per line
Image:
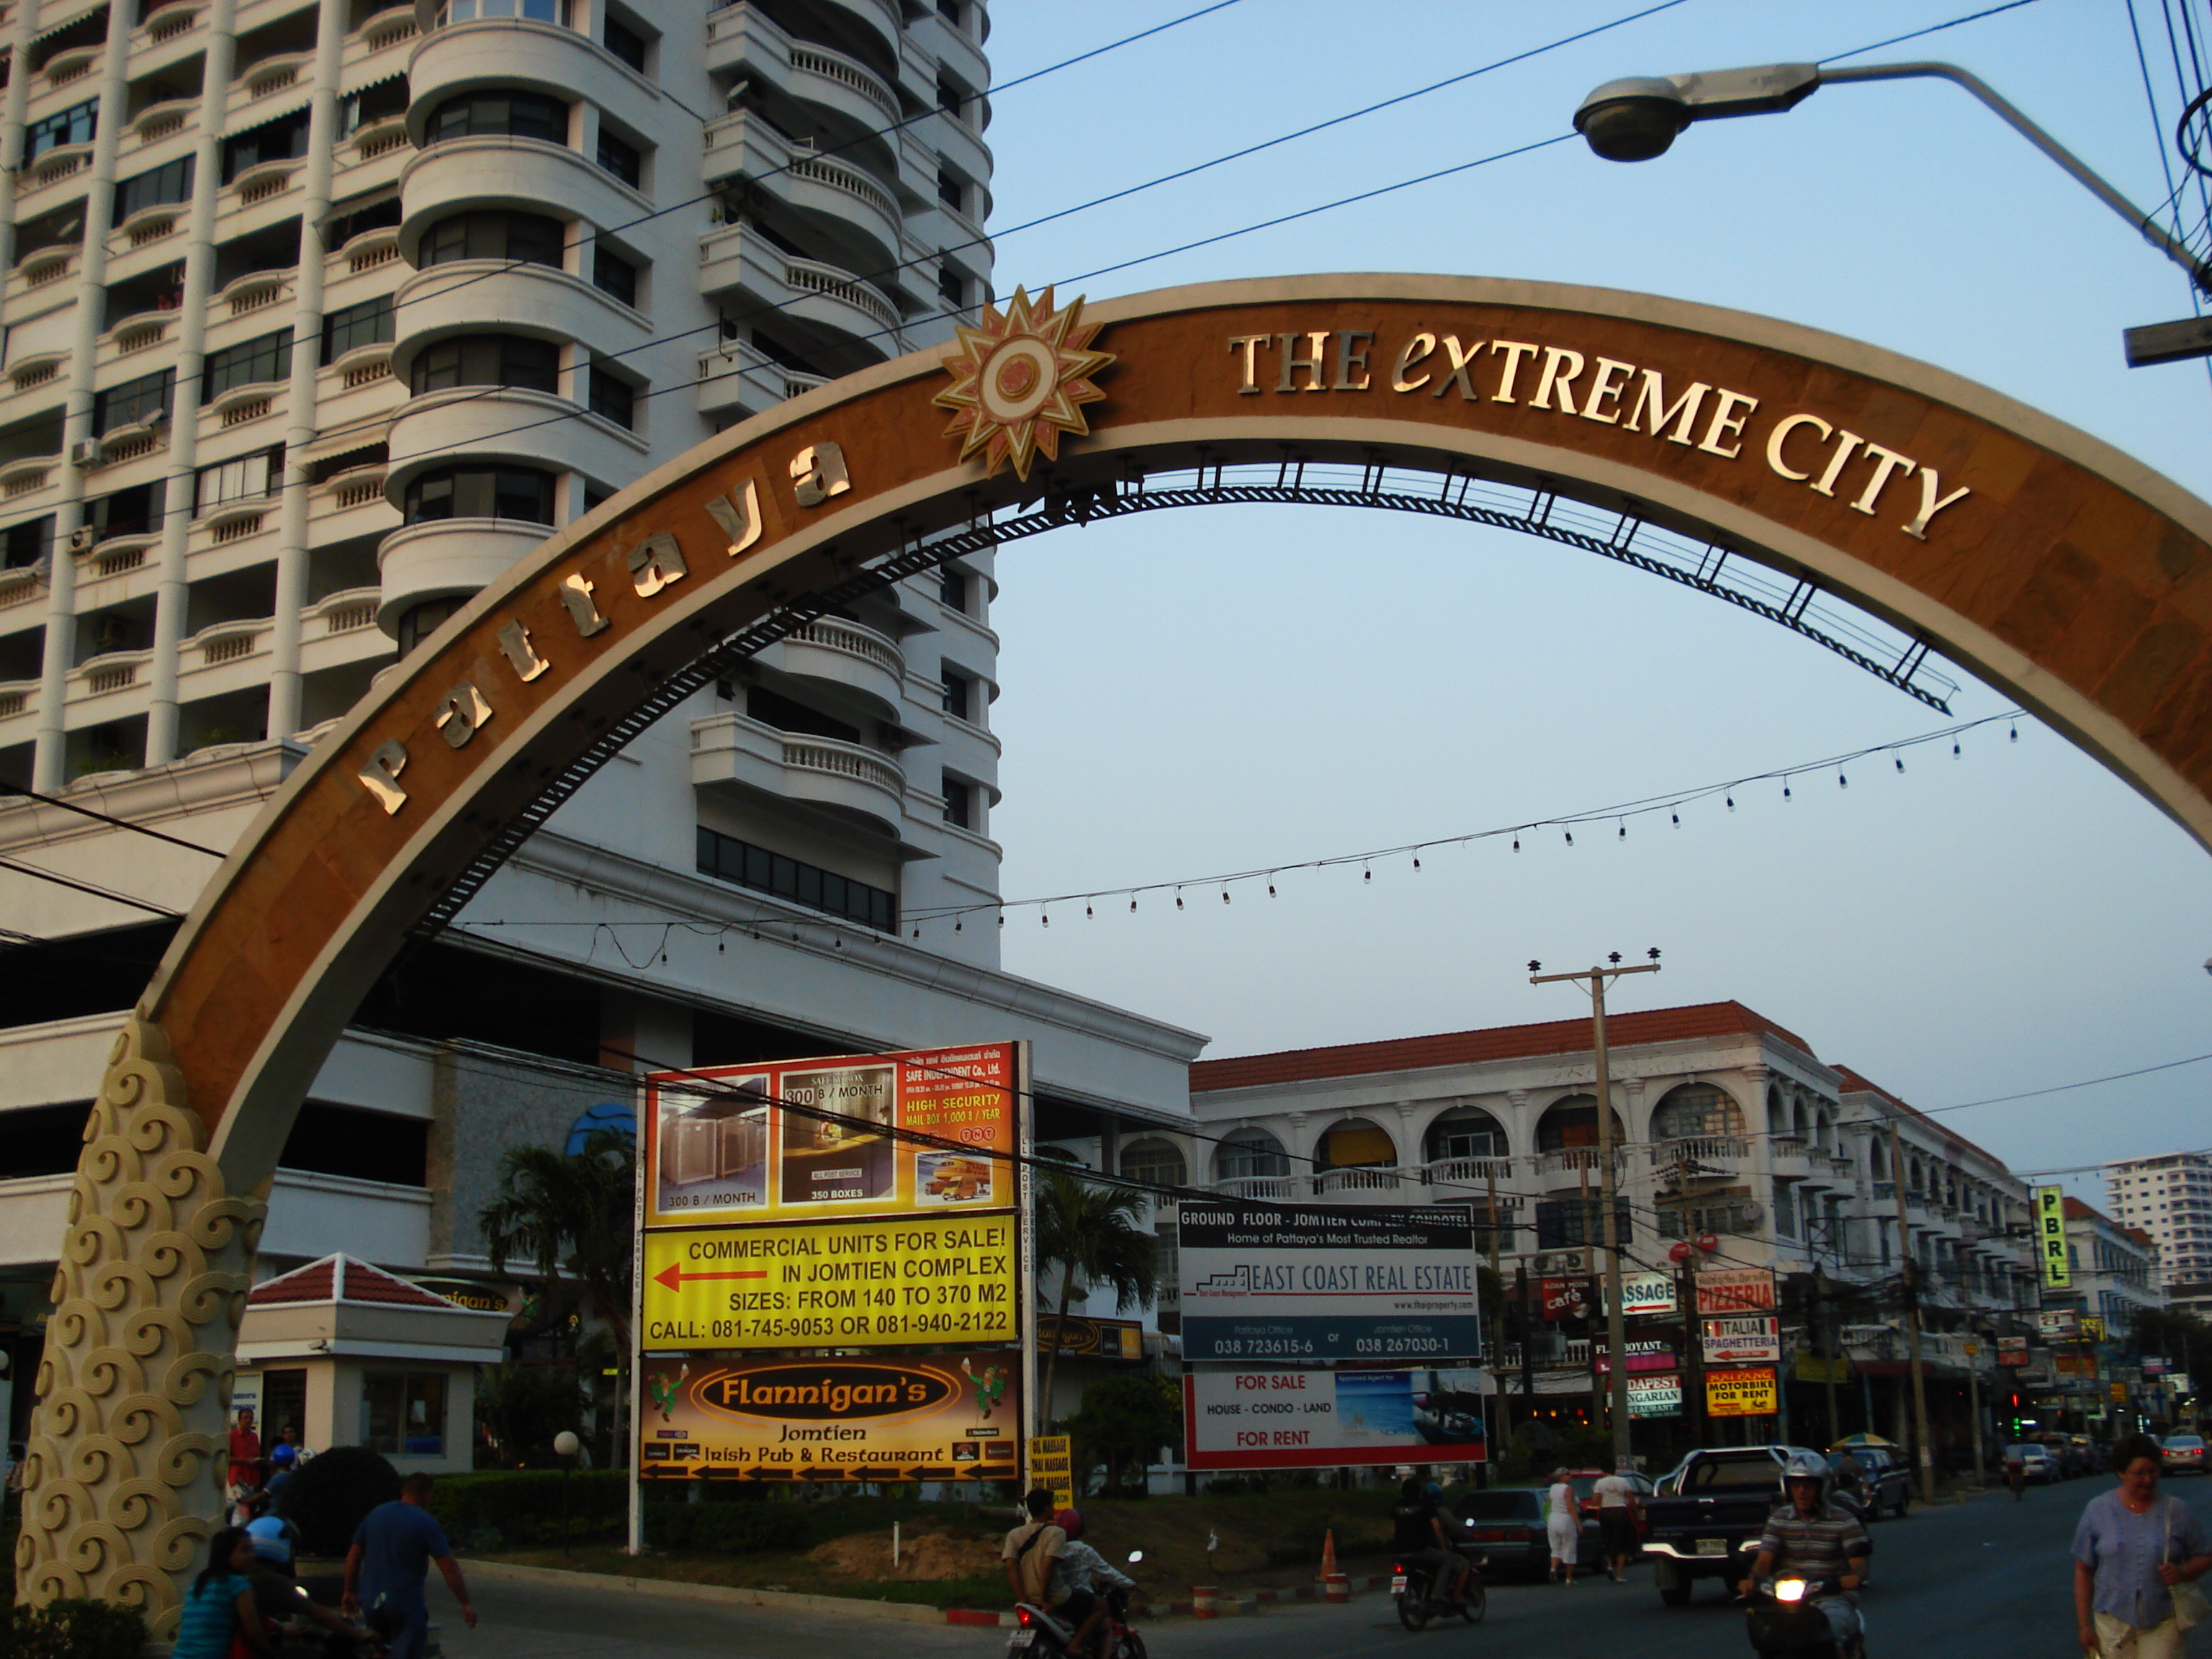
(1741, 1337)
(938, 1417)
(1747, 1393)
(1643, 1354)
(1300, 1420)
(1051, 1466)
(2012, 1350)
(2092, 1328)
(1566, 1298)
(1656, 1396)
(2056, 1324)
(1735, 1291)
(2050, 1237)
(1647, 1294)
(1264, 1281)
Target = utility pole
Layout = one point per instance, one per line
(1615, 1327)
(1527, 1350)
(1910, 1268)
(1821, 1327)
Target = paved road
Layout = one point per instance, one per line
(1988, 1579)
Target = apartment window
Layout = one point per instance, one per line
(950, 289)
(949, 11)
(481, 492)
(746, 866)
(613, 398)
(499, 115)
(377, 215)
(371, 104)
(1785, 1210)
(555, 12)
(25, 544)
(132, 402)
(614, 274)
(281, 140)
(953, 589)
(257, 362)
(527, 238)
(403, 1414)
(355, 326)
(626, 43)
(133, 512)
(950, 191)
(951, 96)
(622, 159)
(1569, 1223)
(961, 699)
(487, 360)
(158, 188)
(250, 478)
(959, 804)
(74, 126)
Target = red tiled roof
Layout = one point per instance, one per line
(1557, 1037)
(1855, 1084)
(2077, 1211)
(341, 1279)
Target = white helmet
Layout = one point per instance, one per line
(1807, 1466)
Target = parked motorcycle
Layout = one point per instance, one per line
(1414, 1588)
(1785, 1620)
(1039, 1633)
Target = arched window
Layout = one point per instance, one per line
(1697, 1109)
(1573, 1122)
(1876, 1161)
(1154, 1161)
(1356, 1143)
(1465, 1132)
(1252, 1154)
(1779, 1117)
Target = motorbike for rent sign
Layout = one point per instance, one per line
(932, 1417)
(1741, 1337)
(1658, 1395)
(1750, 1392)
(1264, 1281)
(1297, 1420)
(1723, 1291)
(901, 1281)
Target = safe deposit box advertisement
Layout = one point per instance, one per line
(816, 1137)
(1264, 1281)
(938, 1417)
(1293, 1420)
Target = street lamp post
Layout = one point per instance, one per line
(1615, 1325)
(566, 1445)
(1639, 117)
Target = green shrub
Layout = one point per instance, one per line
(77, 1630)
(331, 1493)
(727, 1528)
(508, 1509)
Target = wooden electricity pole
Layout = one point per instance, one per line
(1909, 1266)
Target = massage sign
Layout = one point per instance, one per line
(831, 1268)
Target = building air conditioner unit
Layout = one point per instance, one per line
(81, 540)
(1563, 1264)
(1751, 1212)
(85, 451)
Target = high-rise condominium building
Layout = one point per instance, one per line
(2169, 1198)
(318, 315)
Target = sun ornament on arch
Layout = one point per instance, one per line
(1020, 380)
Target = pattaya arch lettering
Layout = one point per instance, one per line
(2055, 568)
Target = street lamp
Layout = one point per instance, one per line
(566, 1445)
(1638, 119)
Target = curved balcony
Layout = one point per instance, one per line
(278, 74)
(1702, 1154)
(844, 654)
(168, 22)
(476, 296)
(163, 120)
(117, 555)
(528, 173)
(24, 585)
(855, 783)
(110, 672)
(19, 699)
(525, 56)
(226, 651)
(1467, 1171)
(451, 558)
(1269, 1187)
(506, 423)
(1359, 1185)
(73, 64)
(838, 196)
(737, 258)
(265, 182)
(741, 41)
(62, 161)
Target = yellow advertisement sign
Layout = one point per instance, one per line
(938, 1417)
(735, 1144)
(1749, 1392)
(2050, 1237)
(905, 1281)
(1051, 1466)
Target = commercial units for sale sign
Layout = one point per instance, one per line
(1264, 1281)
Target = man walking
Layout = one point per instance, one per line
(392, 1550)
(1616, 1520)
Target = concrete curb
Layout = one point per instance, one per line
(728, 1595)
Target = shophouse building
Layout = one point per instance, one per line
(318, 315)
(2169, 1198)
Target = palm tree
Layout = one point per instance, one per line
(572, 1217)
(1091, 1233)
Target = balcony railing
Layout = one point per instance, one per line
(1355, 1180)
(1274, 1186)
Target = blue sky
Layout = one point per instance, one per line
(1233, 687)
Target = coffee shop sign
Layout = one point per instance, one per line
(1798, 445)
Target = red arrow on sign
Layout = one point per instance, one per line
(674, 1277)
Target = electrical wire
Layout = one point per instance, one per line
(120, 823)
(96, 891)
(1934, 28)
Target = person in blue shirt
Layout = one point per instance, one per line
(392, 1550)
(2131, 1550)
(220, 1604)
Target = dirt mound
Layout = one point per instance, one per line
(951, 1553)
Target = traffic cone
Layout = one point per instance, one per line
(1328, 1555)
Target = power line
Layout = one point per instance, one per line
(120, 823)
(1934, 29)
(87, 887)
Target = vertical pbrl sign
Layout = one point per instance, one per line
(2050, 1237)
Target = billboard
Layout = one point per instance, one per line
(1735, 1291)
(937, 1416)
(1741, 1337)
(1647, 1294)
(1656, 1396)
(908, 1281)
(2051, 1238)
(732, 1144)
(1297, 1420)
(1643, 1354)
(1263, 1281)
(1747, 1393)
(1093, 1339)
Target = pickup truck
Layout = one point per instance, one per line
(1709, 1528)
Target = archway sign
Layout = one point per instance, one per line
(2051, 565)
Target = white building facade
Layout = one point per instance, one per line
(2169, 1198)
(319, 313)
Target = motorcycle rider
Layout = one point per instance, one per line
(1086, 1570)
(1423, 1536)
(1032, 1553)
(1813, 1538)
